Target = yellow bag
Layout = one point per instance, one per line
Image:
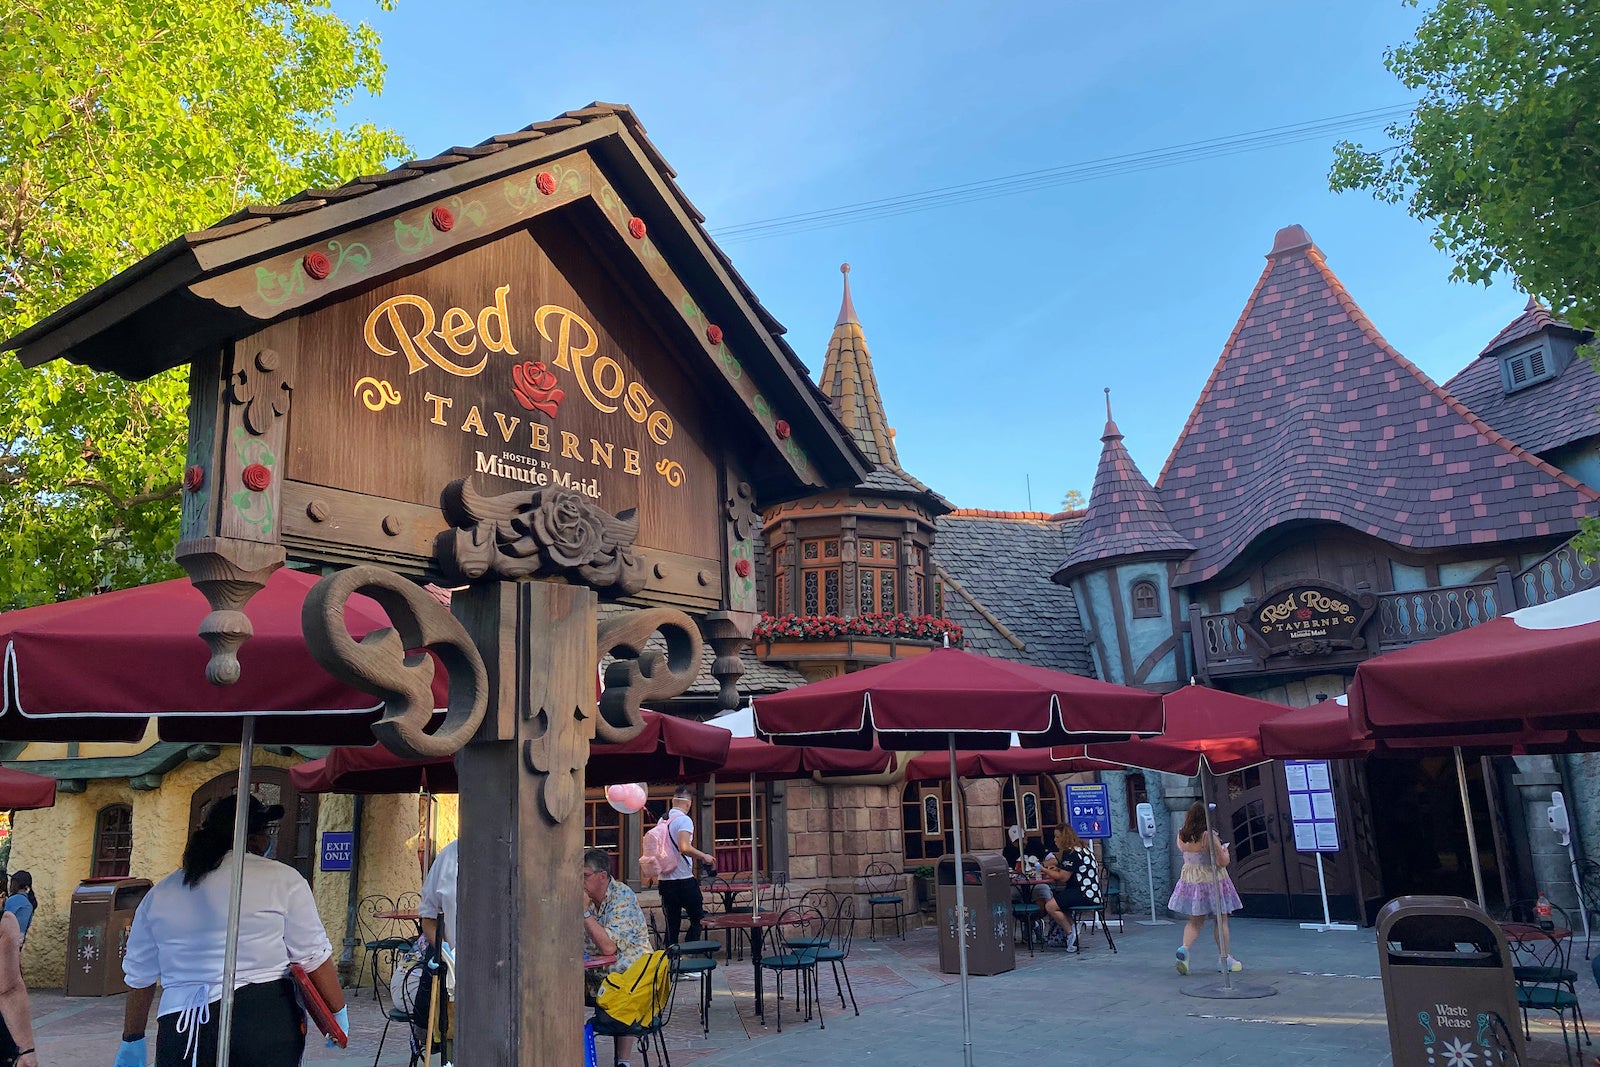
(631, 997)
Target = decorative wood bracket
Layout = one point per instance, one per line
(228, 572)
(263, 390)
(380, 664)
(742, 515)
(538, 533)
(637, 674)
(728, 632)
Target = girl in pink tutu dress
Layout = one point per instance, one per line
(1204, 888)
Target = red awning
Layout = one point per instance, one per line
(20, 790)
(1204, 726)
(99, 667)
(979, 699)
(668, 749)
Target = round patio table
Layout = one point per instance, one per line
(756, 924)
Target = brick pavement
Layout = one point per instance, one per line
(1095, 1007)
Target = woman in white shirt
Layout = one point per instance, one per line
(178, 940)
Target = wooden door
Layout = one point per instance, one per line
(1247, 817)
(295, 836)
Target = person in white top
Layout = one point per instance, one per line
(680, 890)
(437, 916)
(178, 940)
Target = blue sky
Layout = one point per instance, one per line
(993, 325)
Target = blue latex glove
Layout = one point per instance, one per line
(342, 1017)
(131, 1054)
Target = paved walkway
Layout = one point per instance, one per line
(1096, 1007)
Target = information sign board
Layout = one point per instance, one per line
(1089, 810)
(1316, 829)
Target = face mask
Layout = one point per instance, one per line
(272, 850)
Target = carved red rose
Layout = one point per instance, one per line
(316, 265)
(194, 478)
(781, 428)
(1303, 613)
(255, 477)
(741, 567)
(636, 227)
(714, 334)
(546, 182)
(534, 386)
(443, 219)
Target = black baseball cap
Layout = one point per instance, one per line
(261, 816)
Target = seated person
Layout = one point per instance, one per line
(1074, 877)
(613, 924)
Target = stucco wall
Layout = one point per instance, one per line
(55, 845)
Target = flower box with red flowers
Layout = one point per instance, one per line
(874, 635)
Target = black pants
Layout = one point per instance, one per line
(268, 1030)
(680, 896)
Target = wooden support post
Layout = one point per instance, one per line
(520, 984)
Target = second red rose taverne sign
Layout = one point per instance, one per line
(542, 311)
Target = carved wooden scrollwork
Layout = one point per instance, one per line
(263, 390)
(542, 532)
(637, 674)
(379, 664)
(743, 517)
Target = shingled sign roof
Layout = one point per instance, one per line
(996, 571)
(1125, 515)
(1309, 414)
(167, 308)
(1542, 417)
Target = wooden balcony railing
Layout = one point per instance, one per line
(1406, 617)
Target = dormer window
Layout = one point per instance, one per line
(1528, 366)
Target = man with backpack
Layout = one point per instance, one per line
(680, 890)
(613, 924)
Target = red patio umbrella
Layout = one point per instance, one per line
(668, 749)
(21, 791)
(98, 668)
(1206, 728)
(933, 766)
(956, 700)
(979, 701)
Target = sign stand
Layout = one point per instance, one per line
(1150, 872)
(1327, 922)
(1316, 828)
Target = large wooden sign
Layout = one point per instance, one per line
(518, 365)
(1306, 618)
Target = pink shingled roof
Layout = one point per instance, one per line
(1310, 414)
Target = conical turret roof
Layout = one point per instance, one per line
(852, 387)
(1125, 515)
(1309, 414)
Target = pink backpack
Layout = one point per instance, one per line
(657, 855)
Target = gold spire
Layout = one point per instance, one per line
(848, 380)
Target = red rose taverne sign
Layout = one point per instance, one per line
(499, 365)
(1306, 618)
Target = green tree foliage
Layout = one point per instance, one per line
(1502, 154)
(1073, 501)
(124, 123)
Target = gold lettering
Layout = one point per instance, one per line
(660, 427)
(539, 436)
(568, 357)
(496, 314)
(457, 322)
(415, 345)
(606, 366)
(638, 403)
(597, 456)
(630, 461)
(439, 404)
(474, 423)
(506, 429)
(569, 446)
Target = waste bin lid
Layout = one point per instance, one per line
(1439, 929)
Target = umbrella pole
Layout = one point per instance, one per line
(1472, 834)
(241, 823)
(1216, 887)
(755, 876)
(961, 908)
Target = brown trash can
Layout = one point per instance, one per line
(990, 946)
(1447, 984)
(97, 934)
